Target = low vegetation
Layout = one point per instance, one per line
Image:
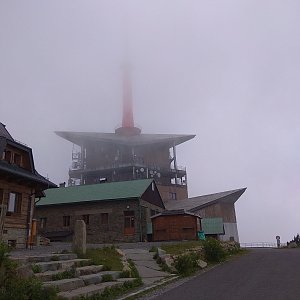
(189, 256)
(36, 268)
(180, 248)
(106, 256)
(213, 251)
(187, 264)
(116, 291)
(71, 273)
(12, 286)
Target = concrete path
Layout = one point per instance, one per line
(147, 267)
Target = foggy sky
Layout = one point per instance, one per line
(227, 71)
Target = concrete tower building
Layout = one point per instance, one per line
(128, 154)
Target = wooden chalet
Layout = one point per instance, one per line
(20, 184)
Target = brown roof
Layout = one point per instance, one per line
(4, 132)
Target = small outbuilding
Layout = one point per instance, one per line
(217, 212)
(175, 225)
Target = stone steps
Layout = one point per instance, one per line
(79, 271)
(87, 279)
(45, 258)
(91, 289)
(65, 284)
(61, 264)
(89, 270)
(98, 277)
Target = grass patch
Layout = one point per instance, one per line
(55, 258)
(107, 256)
(65, 274)
(107, 278)
(36, 269)
(180, 248)
(116, 291)
(134, 272)
(153, 249)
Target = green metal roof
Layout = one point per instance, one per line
(95, 192)
(212, 225)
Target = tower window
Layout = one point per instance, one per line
(173, 196)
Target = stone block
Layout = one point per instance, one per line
(79, 237)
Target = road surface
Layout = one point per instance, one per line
(262, 274)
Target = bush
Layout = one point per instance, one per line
(107, 278)
(36, 269)
(213, 250)
(13, 287)
(186, 264)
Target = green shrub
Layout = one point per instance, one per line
(186, 264)
(55, 258)
(107, 278)
(65, 274)
(134, 271)
(125, 274)
(235, 249)
(153, 249)
(26, 289)
(16, 288)
(36, 269)
(213, 250)
(114, 292)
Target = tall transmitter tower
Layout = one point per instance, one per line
(128, 154)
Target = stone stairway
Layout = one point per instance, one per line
(72, 277)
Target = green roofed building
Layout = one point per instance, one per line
(113, 212)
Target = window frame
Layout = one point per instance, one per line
(104, 219)
(86, 219)
(16, 206)
(66, 221)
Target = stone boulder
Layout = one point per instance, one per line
(202, 264)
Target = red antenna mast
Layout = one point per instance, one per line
(128, 128)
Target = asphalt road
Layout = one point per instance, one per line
(262, 274)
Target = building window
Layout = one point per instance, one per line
(66, 221)
(104, 218)
(43, 222)
(7, 155)
(129, 221)
(14, 203)
(173, 196)
(86, 219)
(17, 159)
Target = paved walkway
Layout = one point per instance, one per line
(263, 274)
(147, 267)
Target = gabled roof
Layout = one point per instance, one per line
(4, 132)
(83, 138)
(14, 170)
(174, 213)
(195, 203)
(123, 190)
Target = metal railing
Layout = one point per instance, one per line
(261, 245)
